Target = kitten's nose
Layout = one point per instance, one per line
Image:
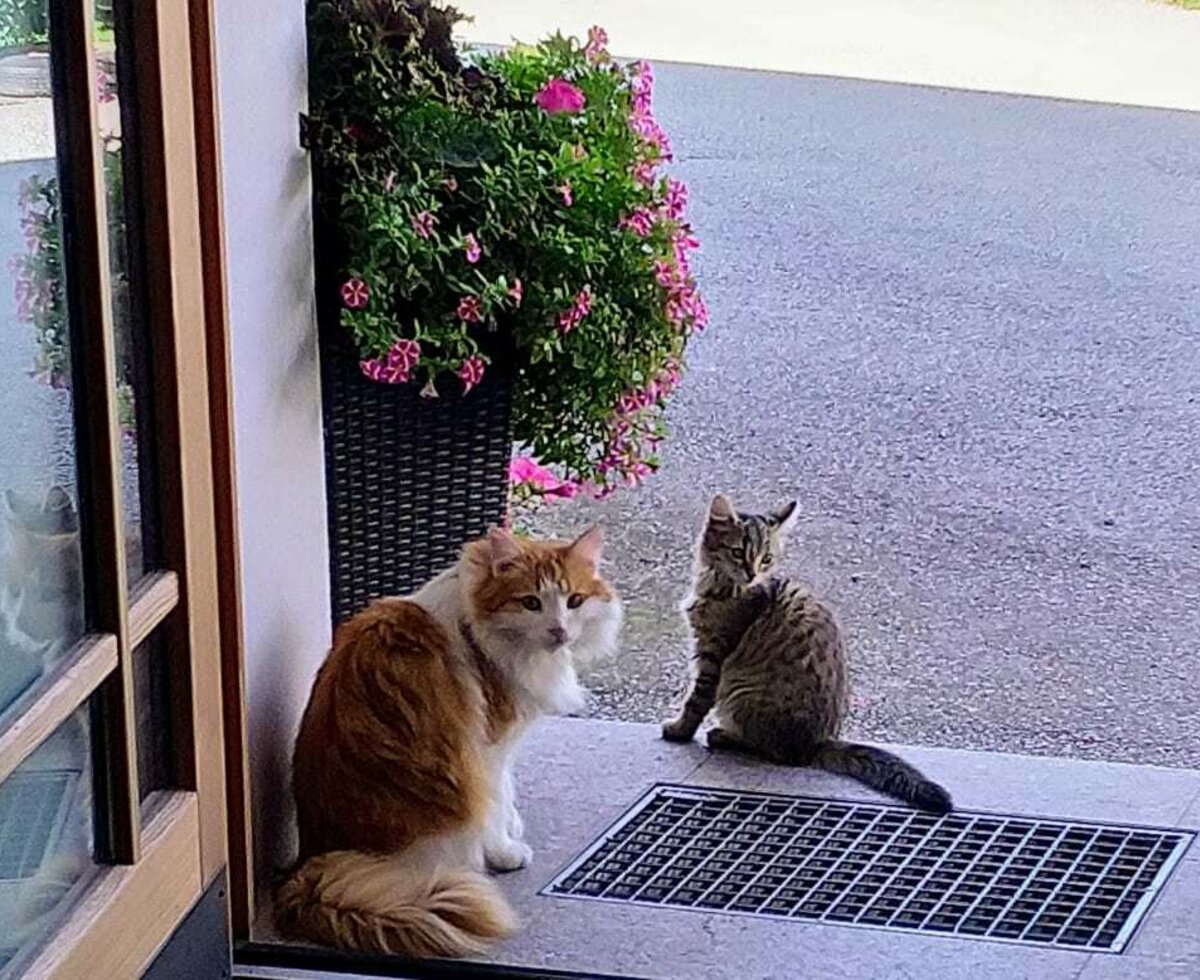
(558, 634)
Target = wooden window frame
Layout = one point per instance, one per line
(158, 854)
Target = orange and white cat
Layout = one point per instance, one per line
(402, 770)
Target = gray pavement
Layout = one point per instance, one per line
(566, 811)
(961, 329)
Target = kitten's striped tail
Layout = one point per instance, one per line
(372, 903)
(883, 771)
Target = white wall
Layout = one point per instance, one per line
(277, 409)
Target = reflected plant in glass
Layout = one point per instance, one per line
(39, 286)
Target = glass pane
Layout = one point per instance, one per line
(154, 718)
(41, 582)
(45, 840)
(113, 81)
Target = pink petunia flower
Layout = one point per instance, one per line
(666, 274)
(402, 358)
(471, 372)
(567, 489)
(641, 222)
(597, 41)
(471, 249)
(643, 172)
(516, 292)
(559, 96)
(527, 471)
(397, 366)
(569, 319)
(423, 224)
(355, 293)
(105, 87)
(652, 134)
(470, 309)
(681, 243)
(568, 198)
(643, 79)
(675, 202)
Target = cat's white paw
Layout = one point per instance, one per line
(574, 702)
(569, 698)
(516, 826)
(677, 730)
(507, 855)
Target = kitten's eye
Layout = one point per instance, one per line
(574, 600)
(766, 562)
(531, 602)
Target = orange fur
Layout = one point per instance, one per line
(539, 562)
(388, 746)
(358, 901)
(402, 766)
(388, 754)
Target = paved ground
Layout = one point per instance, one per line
(961, 330)
(564, 813)
(1134, 52)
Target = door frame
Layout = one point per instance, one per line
(157, 856)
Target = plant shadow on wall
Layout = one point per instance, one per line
(505, 211)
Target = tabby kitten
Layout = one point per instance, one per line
(770, 655)
(402, 770)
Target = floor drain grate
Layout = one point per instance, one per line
(977, 875)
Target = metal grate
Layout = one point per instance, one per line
(977, 875)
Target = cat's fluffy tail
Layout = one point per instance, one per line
(883, 771)
(368, 903)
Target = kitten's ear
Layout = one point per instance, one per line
(783, 518)
(721, 509)
(589, 545)
(504, 547)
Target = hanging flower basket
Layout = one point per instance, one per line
(496, 239)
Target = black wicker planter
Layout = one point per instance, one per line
(408, 479)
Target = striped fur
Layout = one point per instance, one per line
(769, 655)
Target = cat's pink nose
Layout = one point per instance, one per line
(558, 634)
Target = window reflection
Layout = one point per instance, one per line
(41, 594)
(45, 840)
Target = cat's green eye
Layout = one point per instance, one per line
(531, 602)
(574, 600)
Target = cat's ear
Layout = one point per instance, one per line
(57, 499)
(721, 510)
(783, 518)
(589, 545)
(504, 547)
